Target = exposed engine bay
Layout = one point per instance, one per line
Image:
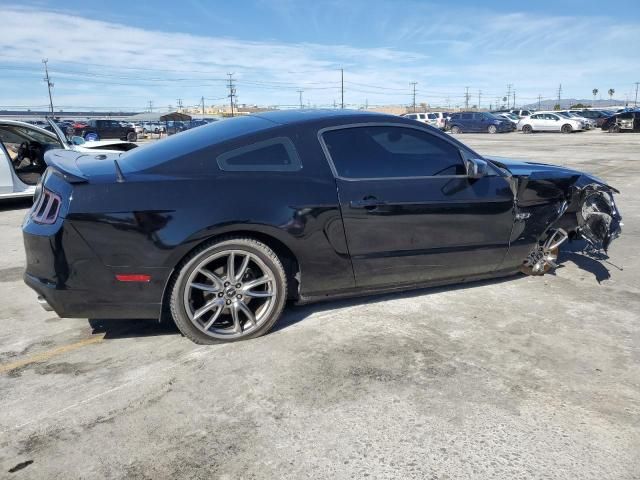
(554, 204)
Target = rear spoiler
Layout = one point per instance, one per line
(64, 163)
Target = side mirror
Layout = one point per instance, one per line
(476, 168)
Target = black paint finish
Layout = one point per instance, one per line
(419, 231)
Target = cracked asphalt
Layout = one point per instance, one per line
(519, 378)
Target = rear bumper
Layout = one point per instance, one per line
(63, 270)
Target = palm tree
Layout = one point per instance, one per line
(611, 92)
(595, 94)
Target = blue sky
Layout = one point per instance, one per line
(124, 54)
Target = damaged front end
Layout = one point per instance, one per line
(553, 204)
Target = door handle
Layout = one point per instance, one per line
(367, 202)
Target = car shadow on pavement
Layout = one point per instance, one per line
(296, 314)
(595, 263)
(119, 328)
(15, 204)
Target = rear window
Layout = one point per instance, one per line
(275, 155)
(191, 141)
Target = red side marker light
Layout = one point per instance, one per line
(133, 277)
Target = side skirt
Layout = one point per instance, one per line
(362, 292)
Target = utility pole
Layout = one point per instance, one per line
(300, 93)
(466, 98)
(413, 84)
(232, 91)
(150, 106)
(49, 83)
(559, 95)
(514, 98)
(179, 102)
(341, 88)
(539, 102)
(635, 102)
(479, 97)
(509, 94)
(202, 102)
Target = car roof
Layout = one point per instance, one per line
(287, 117)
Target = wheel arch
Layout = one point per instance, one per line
(286, 255)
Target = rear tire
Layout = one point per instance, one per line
(527, 129)
(132, 137)
(456, 129)
(614, 129)
(189, 293)
(566, 128)
(492, 129)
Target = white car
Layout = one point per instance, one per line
(420, 117)
(439, 119)
(549, 122)
(22, 149)
(588, 123)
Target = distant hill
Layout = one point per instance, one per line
(567, 102)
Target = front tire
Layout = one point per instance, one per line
(492, 129)
(132, 137)
(233, 289)
(527, 129)
(566, 128)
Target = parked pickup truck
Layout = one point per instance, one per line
(102, 129)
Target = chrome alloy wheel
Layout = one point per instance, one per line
(230, 294)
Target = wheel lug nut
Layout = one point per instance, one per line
(238, 296)
(226, 284)
(238, 285)
(228, 302)
(220, 294)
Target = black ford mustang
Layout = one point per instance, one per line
(219, 226)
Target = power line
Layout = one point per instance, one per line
(560, 96)
(49, 84)
(232, 91)
(414, 95)
(342, 88)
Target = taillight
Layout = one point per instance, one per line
(46, 208)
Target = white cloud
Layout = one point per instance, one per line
(444, 54)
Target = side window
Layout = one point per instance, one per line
(391, 152)
(467, 116)
(273, 155)
(432, 116)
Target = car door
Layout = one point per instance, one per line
(411, 214)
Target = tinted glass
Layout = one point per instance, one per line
(626, 115)
(385, 152)
(276, 154)
(467, 116)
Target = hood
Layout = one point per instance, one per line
(523, 168)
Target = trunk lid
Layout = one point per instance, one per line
(78, 167)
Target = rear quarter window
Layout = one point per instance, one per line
(273, 155)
